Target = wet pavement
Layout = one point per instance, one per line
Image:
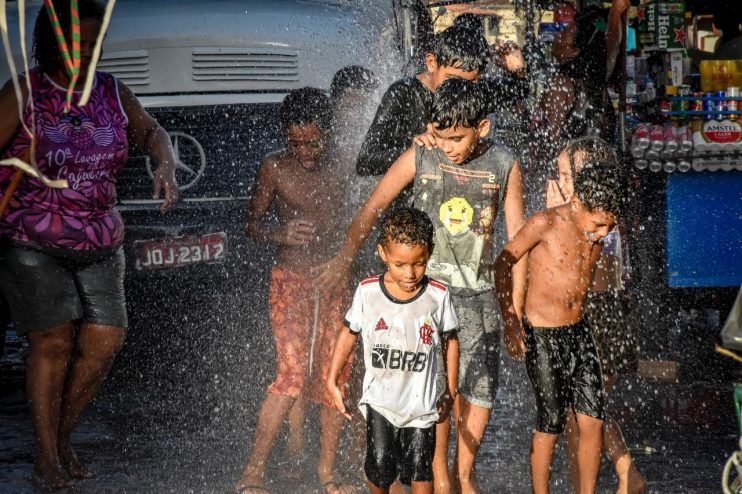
(178, 413)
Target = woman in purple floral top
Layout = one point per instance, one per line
(61, 261)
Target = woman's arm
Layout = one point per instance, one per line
(10, 123)
(146, 134)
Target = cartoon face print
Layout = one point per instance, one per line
(456, 214)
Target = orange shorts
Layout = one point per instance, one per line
(292, 303)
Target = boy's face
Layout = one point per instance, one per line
(405, 264)
(458, 143)
(594, 225)
(439, 73)
(306, 143)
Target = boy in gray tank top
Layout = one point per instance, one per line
(461, 183)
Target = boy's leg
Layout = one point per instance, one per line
(288, 307)
(441, 478)
(572, 435)
(331, 425)
(542, 452)
(383, 449)
(479, 360)
(590, 447)
(471, 423)
(422, 487)
(273, 411)
(295, 442)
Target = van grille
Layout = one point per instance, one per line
(245, 64)
(131, 67)
(234, 139)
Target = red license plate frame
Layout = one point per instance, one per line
(174, 252)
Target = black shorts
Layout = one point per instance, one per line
(46, 288)
(564, 369)
(391, 451)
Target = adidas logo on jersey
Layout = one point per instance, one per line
(381, 325)
(390, 358)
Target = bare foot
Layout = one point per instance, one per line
(332, 484)
(50, 477)
(72, 464)
(251, 482)
(632, 483)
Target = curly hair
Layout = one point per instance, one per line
(602, 186)
(305, 106)
(406, 226)
(458, 102)
(45, 50)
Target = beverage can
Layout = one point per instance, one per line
(641, 164)
(669, 166)
(656, 137)
(708, 106)
(641, 133)
(720, 104)
(732, 104)
(684, 92)
(697, 103)
(671, 141)
(684, 166)
(655, 166)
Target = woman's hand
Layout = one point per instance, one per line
(332, 275)
(165, 184)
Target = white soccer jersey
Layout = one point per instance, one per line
(402, 349)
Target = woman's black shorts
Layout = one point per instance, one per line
(564, 369)
(392, 451)
(46, 288)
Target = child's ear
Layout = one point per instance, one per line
(380, 251)
(483, 127)
(431, 64)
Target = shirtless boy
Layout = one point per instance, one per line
(307, 194)
(563, 245)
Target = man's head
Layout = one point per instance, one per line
(575, 154)
(599, 198)
(459, 118)
(727, 17)
(306, 115)
(458, 52)
(405, 245)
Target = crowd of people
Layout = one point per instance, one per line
(431, 323)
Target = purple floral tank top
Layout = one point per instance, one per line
(86, 147)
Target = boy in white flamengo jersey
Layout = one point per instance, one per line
(408, 325)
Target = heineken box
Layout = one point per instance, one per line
(661, 25)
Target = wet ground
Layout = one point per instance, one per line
(178, 413)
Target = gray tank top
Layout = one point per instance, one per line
(463, 202)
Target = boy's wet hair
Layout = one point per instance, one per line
(592, 148)
(406, 226)
(457, 102)
(45, 50)
(352, 77)
(461, 47)
(306, 106)
(602, 186)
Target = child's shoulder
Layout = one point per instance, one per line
(437, 285)
(370, 280)
(498, 154)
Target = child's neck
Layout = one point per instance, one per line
(395, 291)
(482, 146)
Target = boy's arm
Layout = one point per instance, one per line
(401, 174)
(388, 136)
(295, 232)
(515, 218)
(343, 346)
(524, 241)
(450, 349)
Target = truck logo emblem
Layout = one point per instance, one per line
(190, 159)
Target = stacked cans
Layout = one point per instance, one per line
(662, 147)
(717, 105)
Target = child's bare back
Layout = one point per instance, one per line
(560, 268)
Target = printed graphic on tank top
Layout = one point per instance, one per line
(463, 202)
(86, 146)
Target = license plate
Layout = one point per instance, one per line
(181, 251)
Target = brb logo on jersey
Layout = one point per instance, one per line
(426, 334)
(383, 357)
